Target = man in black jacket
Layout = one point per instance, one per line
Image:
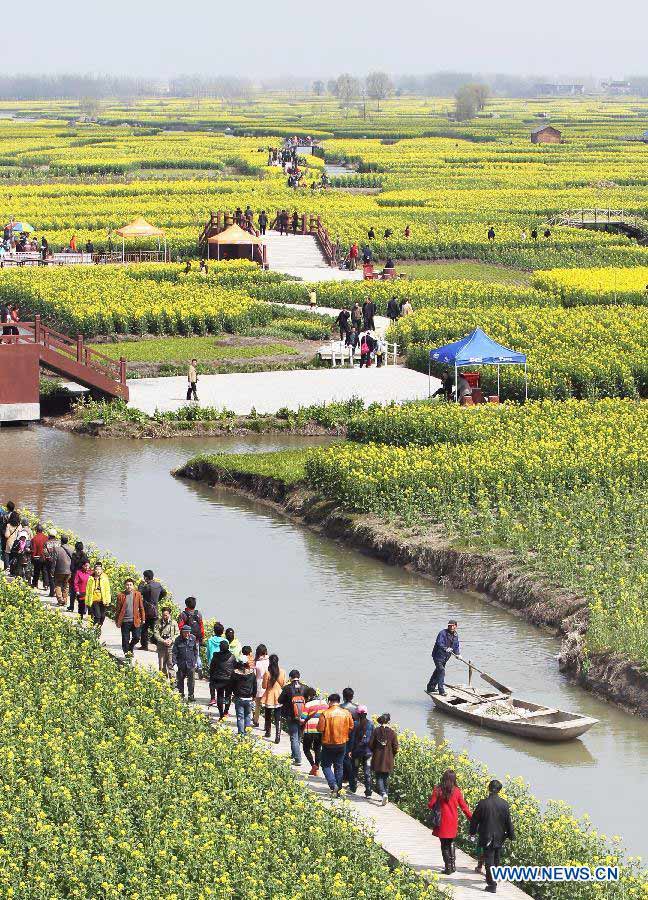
(244, 687)
(292, 703)
(393, 310)
(342, 322)
(152, 594)
(491, 819)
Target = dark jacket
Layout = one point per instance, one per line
(152, 592)
(222, 667)
(361, 738)
(491, 819)
(63, 561)
(445, 645)
(393, 308)
(290, 690)
(244, 684)
(384, 747)
(368, 310)
(79, 557)
(185, 653)
(343, 318)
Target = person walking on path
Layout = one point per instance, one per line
(311, 738)
(214, 642)
(98, 595)
(9, 507)
(383, 744)
(243, 689)
(234, 644)
(152, 594)
(335, 725)
(221, 670)
(312, 298)
(448, 798)
(445, 646)
(184, 656)
(360, 752)
(263, 221)
(191, 617)
(393, 310)
(491, 820)
(368, 313)
(348, 770)
(342, 321)
(10, 534)
(62, 571)
(192, 378)
(295, 222)
(79, 558)
(129, 615)
(283, 222)
(165, 633)
(260, 667)
(272, 683)
(51, 552)
(81, 578)
(356, 317)
(292, 702)
(39, 565)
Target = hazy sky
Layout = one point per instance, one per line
(262, 38)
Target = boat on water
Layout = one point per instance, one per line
(500, 711)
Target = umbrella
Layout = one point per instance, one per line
(19, 227)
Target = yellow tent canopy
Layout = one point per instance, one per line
(139, 227)
(237, 238)
(235, 235)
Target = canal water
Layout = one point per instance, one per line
(341, 617)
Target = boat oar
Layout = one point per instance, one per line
(489, 678)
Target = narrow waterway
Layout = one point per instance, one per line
(339, 616)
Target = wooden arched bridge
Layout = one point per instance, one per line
(605, 220)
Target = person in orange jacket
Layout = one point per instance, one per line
(130, 615)
(336, 726)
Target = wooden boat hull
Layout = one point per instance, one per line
(545, 724)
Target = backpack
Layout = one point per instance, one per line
(20, 545)
(192, 619)
(298, 704)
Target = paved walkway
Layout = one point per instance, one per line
(268, 392)
(402, 837)
(381, 322)
(300, 255)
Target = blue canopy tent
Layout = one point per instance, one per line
(477, 349)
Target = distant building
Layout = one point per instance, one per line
(617, 87)
(546, 134)
(551, 89)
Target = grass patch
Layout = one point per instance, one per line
(288, 466)
(205, 349)
(469, 269)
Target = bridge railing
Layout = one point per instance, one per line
(74, 349)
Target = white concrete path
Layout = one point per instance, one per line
(405, 839)
(300, 255)
(381, 322)
(268, 392)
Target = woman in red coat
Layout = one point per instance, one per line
(450, 798)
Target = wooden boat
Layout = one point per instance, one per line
(500, 711)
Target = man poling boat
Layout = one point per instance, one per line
(445, 646)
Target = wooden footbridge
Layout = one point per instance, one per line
(36, 345)
(621, 220)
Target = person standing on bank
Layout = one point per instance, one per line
(449, 798)
(191, 617)
(491, 820)
(445, 646)
(129, 615)
(192, 378)
(261, 662)
(62, 570)
(81, 578)
(384, 747)
(184, 657)
(221, 671)
(165, 633)
(311, 738)
(152, 594)
(336, 726)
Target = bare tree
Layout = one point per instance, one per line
(379, 86)
(318, 88)
(348, 88)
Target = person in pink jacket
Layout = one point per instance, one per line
(80, 586)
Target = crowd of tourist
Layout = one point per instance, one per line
(335, 733)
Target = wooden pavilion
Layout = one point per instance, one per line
(236, 243)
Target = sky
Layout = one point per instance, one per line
(261, 39)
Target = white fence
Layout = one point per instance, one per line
(341, 354)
